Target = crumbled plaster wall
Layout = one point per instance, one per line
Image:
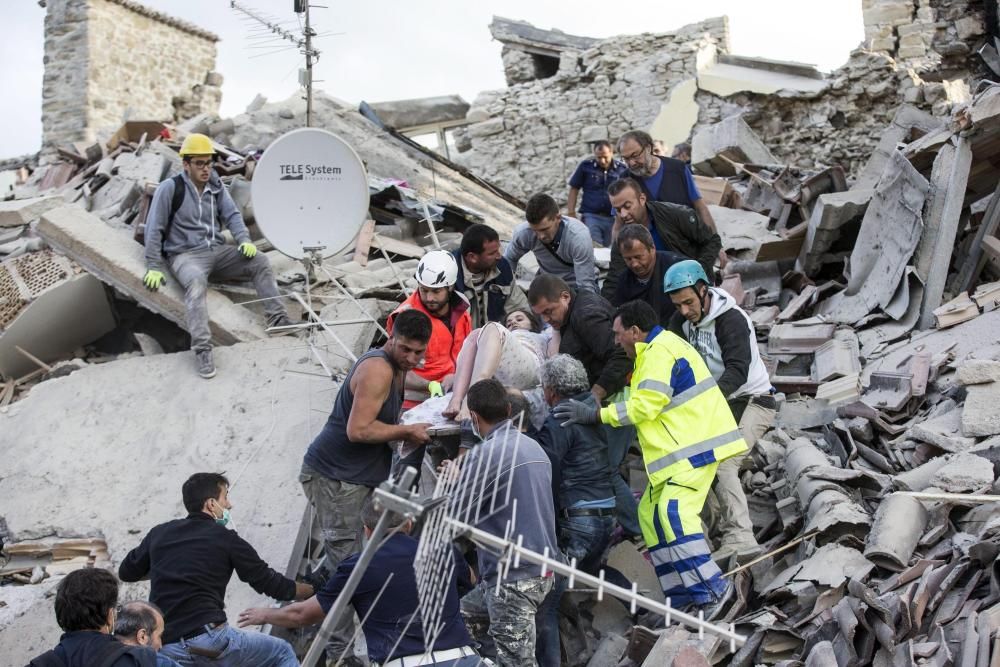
(529, 136)
(106, 58)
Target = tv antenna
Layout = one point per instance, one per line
(304, 42)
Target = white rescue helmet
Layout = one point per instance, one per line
(437, 269)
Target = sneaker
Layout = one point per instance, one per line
(281, 321)
(206, 367)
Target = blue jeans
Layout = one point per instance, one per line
(626, 506)
(599, 226)
(584, 538)
(236, 647)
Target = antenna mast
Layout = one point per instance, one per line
(304, 43)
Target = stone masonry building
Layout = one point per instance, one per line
(106, 60)
(564, 91)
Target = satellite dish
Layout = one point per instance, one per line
(310, 193)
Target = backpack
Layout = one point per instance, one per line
(110, 652)
(180, 191)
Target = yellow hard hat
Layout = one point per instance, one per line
(197, 144)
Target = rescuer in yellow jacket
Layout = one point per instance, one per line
(685, 429)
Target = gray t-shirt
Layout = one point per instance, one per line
(573, 260)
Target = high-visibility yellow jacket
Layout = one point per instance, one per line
(682, 417)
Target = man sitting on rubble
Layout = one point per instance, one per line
(510, 466)
(584, 495)
(451, 323)
(140, 623)
(673, 228)
(189, 563)
(584, 322)
(184, 231)
(352, 454)
(685, 430)
(486, 278)
(85, 610)
(709, 319)
(386, 597)
(562, 246)
(645, 268)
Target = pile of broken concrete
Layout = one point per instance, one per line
(875, 306)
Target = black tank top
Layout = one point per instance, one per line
(333, 455)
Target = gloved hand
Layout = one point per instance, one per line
(576, 412)
(153, 280)
(435, 389)
(248, 250)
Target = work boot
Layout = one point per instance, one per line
(206, 367)
(281, 321)
(717, 609)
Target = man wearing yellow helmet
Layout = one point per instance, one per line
(184, 232)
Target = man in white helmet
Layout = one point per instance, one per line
(451, 323)
(184, 232)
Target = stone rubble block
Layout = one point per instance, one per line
(964, 473)
(18, 212)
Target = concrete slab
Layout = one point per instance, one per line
(112, 255)
(943, 431)
(950, 177)
(64, 317)
(724, 79)
(19, 212)
(980, 416)
(742, 232)
(731, 138)
(889, 234)
(906, 119)
(964, 473)
(978, 371)
(830, 212)
(128, 433)
(678, 115)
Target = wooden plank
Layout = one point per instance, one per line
(398, 247)
(364, 243)
(38, 362)
(714, 191)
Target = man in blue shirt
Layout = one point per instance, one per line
(393, 629)
(663, 178)
(593, 176)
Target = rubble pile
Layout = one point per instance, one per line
(91, 205)
(873, 497)
(873, 284)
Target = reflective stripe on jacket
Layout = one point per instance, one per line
(682, 418)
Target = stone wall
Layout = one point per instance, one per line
(105, 59)
(530, 136)
(64, 84)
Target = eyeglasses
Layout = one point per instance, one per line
(201, 164)
(634, 157)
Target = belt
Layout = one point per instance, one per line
(208, 627)
(589, 511)
(431, 658)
